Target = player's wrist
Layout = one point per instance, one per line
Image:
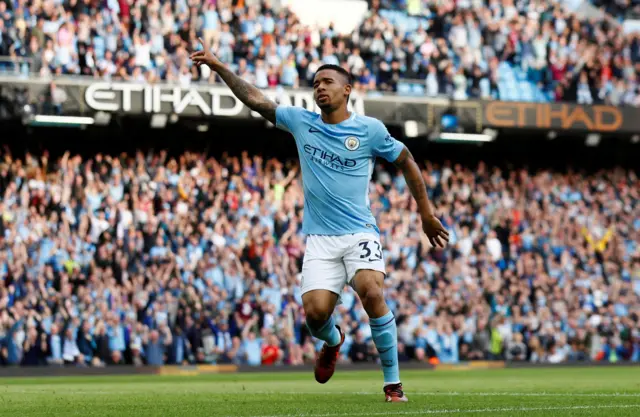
(216, 65)
(427, 216)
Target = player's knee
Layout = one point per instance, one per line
(371, 296)
(318, 307)
(316, 314)
(368, 285)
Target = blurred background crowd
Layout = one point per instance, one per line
(148, 258)
(537, 50)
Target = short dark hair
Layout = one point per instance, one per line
(336, 68)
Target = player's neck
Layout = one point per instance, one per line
(336, 116)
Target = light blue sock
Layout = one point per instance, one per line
(328, 332)
(385, 336)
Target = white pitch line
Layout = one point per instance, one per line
(461, 394)
(461, 411)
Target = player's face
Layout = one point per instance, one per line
(330, 90)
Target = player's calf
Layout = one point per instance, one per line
(328, 358)
(368, 285)
(318, 306)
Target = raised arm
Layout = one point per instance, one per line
(437, 234)
(251, 96)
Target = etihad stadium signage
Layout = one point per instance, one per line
(86, 96)
(190, 101)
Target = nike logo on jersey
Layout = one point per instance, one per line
(314, 130)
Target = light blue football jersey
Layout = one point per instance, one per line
(337, 161)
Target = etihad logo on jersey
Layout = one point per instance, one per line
(329, 159)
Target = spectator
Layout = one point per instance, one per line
(70, 352)
(55, 346)
(271, 352)
(252, 344)
(85, 342)
(155, 346)
(516, 349)
(359, 351)
(34, 347)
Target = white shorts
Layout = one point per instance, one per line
(331, 262)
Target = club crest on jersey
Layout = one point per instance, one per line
(352, 143)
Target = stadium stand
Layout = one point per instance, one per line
(105, 261)
(512, 50)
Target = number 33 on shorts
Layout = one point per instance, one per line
(364, 253)
(330, 262)
(371, 250)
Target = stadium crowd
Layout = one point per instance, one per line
(455, 48)
(151, 259)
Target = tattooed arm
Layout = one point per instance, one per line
(251, 96)
(430, 223)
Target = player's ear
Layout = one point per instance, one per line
(347, 89)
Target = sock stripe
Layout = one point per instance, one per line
(379, 326)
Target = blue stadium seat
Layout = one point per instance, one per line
(485, 87)
(524, 91)
(502, 90)
(404, 88)
(403, 22)
(99, 46)
(417, 89)
(520, 74)
(514, 85)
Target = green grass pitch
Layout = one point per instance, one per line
(507, 392)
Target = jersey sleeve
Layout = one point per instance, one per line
(383, 144)
(288, 118)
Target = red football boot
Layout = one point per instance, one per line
(393, 394)
(327, 359)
